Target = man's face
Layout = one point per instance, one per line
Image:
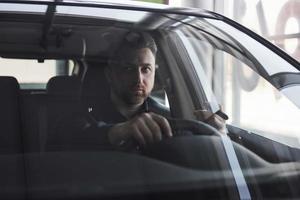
(132, 79)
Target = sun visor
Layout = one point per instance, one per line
(73, 46)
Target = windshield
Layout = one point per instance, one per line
(241, 79)
(111, 101)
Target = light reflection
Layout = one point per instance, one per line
(290, 45)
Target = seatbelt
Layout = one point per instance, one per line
(235, 168)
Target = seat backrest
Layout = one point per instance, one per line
(64, 86)
(63, 102)
(32, 105)
(95, 88)
(10, 122)
(43, 111)
(11, 141)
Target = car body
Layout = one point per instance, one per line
(204, 60)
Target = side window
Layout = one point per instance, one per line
(32, 74)
(250, 101)
(255, 105)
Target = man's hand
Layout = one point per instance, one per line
(145, 128)
(216, 120)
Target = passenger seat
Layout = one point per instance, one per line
(12, 171)
(63, 102)
(10, 121)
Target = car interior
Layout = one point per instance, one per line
(173, 168)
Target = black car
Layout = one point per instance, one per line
(53, 56)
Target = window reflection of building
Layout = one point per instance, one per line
(277, 21)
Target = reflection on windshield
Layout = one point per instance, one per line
(261, 53)
(249, 99)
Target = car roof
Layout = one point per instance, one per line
(116, 4)
(30, 29)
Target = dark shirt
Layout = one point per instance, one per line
(87, 130)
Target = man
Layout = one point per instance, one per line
(131, 75)
(130, 118)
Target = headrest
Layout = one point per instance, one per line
(95, 83)
(64, 86)
(9, 86)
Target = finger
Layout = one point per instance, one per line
(163, 124)
(154, 127)
(207, 115)
(216, 121)
(138, 136)
(221, 113)
(145, 130)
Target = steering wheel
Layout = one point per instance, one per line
(190, 151)
(203, 150)
(180, 126)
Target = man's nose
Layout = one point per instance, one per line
(138, 76)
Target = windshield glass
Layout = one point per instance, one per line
(246, 96)
(261, 53)
(113, 14)
(106, 102)
(19, 8)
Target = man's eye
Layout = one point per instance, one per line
(146, 69)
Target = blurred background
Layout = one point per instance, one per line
(250, 101)
(276, 20)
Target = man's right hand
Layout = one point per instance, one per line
(145, 129)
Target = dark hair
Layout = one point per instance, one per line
(138, 40)
(133, 41)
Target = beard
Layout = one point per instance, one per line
(133, 94)
(135, 97)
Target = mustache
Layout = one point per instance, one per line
(138, 87)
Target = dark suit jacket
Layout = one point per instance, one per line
(87, 131)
